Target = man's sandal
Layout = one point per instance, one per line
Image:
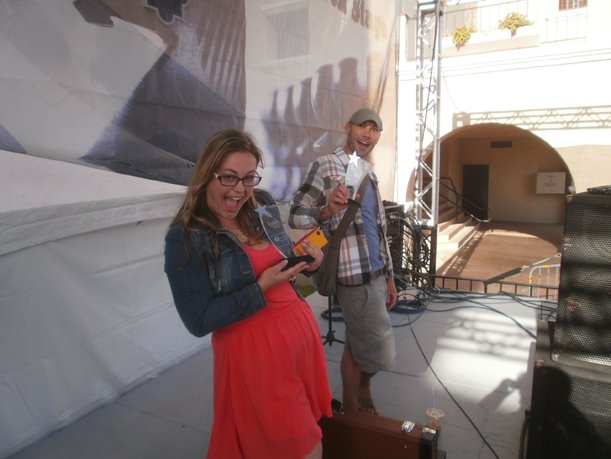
(366, 405)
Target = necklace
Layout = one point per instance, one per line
(244, 240)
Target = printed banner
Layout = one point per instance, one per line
(137, 86)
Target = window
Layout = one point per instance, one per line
(571, 4)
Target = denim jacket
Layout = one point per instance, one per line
(212, 293)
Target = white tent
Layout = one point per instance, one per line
(136, 87)
(85, 308)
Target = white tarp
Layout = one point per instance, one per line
(85, 309)
(136, 87)
(44, 200)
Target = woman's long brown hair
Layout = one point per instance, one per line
(194, 209)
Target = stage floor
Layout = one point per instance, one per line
(469, 355)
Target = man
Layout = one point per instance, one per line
(365, 286)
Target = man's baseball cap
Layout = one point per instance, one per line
(366, 114)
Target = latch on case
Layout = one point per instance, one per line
(407, 426)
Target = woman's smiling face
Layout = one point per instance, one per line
(226, 201)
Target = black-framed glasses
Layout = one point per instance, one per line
(232, 180)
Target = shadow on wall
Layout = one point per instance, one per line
(312, 127)
(183, 99)
(150, 120)
(134, 100)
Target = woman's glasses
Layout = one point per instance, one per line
(232, 180)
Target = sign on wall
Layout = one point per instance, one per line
(551, 182)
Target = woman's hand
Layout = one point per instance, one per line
(274, 274)
(314, 252)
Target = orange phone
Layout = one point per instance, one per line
(315, 236)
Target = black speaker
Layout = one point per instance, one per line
(583, 328)
(570, 415)
(395, 234)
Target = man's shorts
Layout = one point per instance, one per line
(369, 334)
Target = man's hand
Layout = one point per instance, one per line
(391, 293)
(338, 201)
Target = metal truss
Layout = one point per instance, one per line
(597, 117)
(428, 46)
(426, 188)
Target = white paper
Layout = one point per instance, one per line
(357, 169)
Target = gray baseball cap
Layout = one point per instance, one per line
(366, 114)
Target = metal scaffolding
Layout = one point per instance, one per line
(428, 46)
(426, 189)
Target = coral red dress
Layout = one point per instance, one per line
(270, 377)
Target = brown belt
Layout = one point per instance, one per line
(374, 275)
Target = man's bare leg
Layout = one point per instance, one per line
(364, 394)
(351, 377)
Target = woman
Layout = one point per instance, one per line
(224, 257)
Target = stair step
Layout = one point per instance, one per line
(447, 214)
(446, 249)
(445, 205)
(459, 237)
(454, 231)
(444, 225)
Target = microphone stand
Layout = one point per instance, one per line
(330, 338)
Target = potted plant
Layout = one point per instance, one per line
(461, 36)
(513, 21)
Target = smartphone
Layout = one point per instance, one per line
(294, 260)
(315, 236)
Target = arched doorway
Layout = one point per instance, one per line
(503, 167)
(501, 179)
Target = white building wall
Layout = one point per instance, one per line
(542, 77)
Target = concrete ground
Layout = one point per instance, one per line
(469, 355)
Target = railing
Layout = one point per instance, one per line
(457, 199)
(454, 199)
(412, 249)
(550, 273)
(464, 284)
(485, 15)
(498, 284)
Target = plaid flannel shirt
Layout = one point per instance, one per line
(353, 266)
